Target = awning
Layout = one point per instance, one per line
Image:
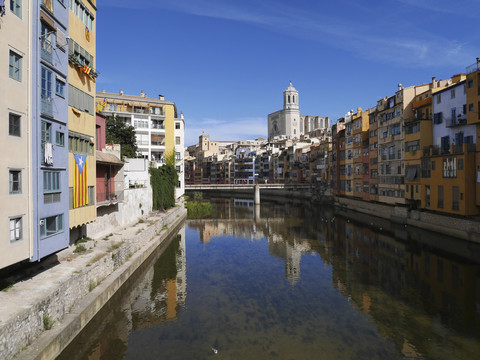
(411, 173)
(106, 158)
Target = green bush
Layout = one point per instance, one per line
(198, 210)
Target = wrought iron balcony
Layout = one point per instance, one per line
(46, 51)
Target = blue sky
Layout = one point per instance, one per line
(225, 63)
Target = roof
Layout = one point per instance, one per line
(146, 100)
(107, 158)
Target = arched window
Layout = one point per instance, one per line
(289, 99)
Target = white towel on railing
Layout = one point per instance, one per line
(48, 154)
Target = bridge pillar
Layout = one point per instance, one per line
(257, 194)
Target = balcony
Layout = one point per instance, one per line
(46, 105)
(46, 51)
(109, 192)
(460, 121)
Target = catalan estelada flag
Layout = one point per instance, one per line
(80, 184)
(87, 33)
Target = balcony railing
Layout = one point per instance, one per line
(46, 105)
(456, 122)
(109, 192)
(46, 51)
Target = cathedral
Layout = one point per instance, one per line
(288, 123)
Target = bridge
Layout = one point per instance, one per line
(306, 191)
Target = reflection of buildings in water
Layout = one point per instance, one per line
(163, 289)
(291, 252)
(245, 203)
(392, 280)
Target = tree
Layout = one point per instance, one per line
(118, 132)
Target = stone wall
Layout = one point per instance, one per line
(81, 287)
(137, 202)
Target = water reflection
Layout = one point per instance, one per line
(153, 296)
(284, 281)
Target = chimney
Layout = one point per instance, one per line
(142, 93)
(121, 92)
(160, 97)
(103, 91)
(434, 82)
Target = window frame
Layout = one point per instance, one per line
(59, 226)
(13, 116)
(12, 181)
(60, 88)
(18, 7)
(18, 228)
(15, 62)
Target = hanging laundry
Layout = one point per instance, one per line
(48, 154)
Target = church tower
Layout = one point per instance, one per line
(292, 112)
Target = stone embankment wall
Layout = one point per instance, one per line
(82, 285)
(448, 225)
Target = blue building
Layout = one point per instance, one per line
(50, 127)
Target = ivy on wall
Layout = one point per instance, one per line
(163, 181)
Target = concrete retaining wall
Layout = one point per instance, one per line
(81, 290)
(137, 203)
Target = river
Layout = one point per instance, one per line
(292, 281)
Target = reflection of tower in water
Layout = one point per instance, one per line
(292, 263)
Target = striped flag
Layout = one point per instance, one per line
(86, 69)
(80, 184)
(87, 33)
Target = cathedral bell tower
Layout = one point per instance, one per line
(290, 98)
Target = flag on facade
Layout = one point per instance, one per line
(87, 33)
(86, 69)
(80, 181)
(104, 102)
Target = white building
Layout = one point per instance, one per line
(289, 124)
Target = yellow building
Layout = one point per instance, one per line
(473, 113)
(81, 114)
(418, 136)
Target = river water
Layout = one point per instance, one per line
(289, 281)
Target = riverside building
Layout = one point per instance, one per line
(158, 128)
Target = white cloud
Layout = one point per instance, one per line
(228, 130)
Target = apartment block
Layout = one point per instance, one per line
(158, 128)
(16, 216)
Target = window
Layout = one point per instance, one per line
(46, 128)
(60, 88)
(450, 167)
(59, 138)
(177, 125)
(79, 55)
(51, 225)
(439, 98)
(452, 93)
(51, 187)
(15, 181)
(455, 197)
(470, 107)
(470, 84)
(82, 13)
(46, 83)
(437, 118)
(460, 164)
(454, 116)
(427, 195)
(13, 124)
(177, 140)
(15, 229)
(440, 197)
(16, 7)
(177, 156)
(15, 66)
(79, 144)
(80, 100)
